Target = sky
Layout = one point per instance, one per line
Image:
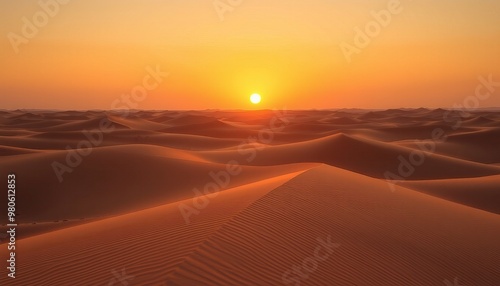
(206, 54)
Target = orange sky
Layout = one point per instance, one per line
(89, 53)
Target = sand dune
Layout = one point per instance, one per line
(189, 120)
(374, 245)
(160, 232)
(136, 123)
(133, 207)
(481, 193)
(360, 155)
(79, 125)
(10, 151)
(254, 235)
(113, 174)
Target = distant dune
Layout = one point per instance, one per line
(282, 188)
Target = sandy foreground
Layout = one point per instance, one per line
(345, 197)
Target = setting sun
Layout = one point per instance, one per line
(255, 98)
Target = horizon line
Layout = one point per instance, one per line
(265, 109)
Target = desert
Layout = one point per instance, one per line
(229, 197)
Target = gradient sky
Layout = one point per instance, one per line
(92, 51)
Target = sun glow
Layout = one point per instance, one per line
(255, 98)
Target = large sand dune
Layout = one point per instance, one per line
(293, 197)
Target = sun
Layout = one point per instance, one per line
(255, 98)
